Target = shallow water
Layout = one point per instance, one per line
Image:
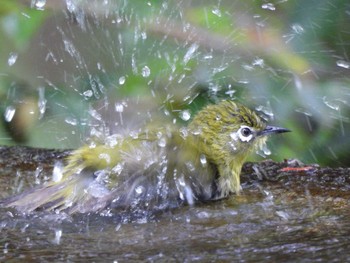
(286, 217)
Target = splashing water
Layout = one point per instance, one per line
(9, 113)
(97, 50)
(343, 64)
(185, 115)
(42, 102)
(57, 172)
(268, 6)
(38, 4)
(145, 72)
(12, 59)
(263, 150)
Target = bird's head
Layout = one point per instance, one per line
(229, 130)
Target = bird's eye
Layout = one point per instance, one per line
(246, 131)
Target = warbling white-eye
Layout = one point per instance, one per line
(157, 168)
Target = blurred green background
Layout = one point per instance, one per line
(62, 63)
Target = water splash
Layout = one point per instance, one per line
(263, 150)
(268, 6)
(88, 93)
(71, 120)
(145, 72)
(12, 59)
(203, 160)
(37, 173)
(162, 142)
(266, 110)
(259, 62)
(185, 115)
(38, 4)
(190, 53)
(57, 172)
(343, 64)
(185, 191)
(58, 235)
(216, 12)
(297, 29)
(42, 102)
(122, 80)
(9, 113)
(331, 104)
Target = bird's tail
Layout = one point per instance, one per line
(76, 193)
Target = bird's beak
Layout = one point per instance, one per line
(271, 130)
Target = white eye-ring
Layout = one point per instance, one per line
(245, 133)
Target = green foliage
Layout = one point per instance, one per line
(19, 23)
(289, 58)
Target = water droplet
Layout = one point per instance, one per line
(119, 107)
(145, 72)
(185, 115)
(203, 214)
(298, 29)
(184, 132)
(266, 150)
(214, 88)
(266, 110)
(269, 6)
(133, 64)
(216, 12)
(72, 121)
(243, 81)
(162, 142)
(203, 160)
(57, 172)
(332, 105)
(122, 80)
(39, 4)
(247, 67)
(134, 134)
(139, 190)
(105, 156)
(93, 113)
(230, 92)
(258, 62)
(12, 59)
(71, 6)
(190, 166)
(118, 227)
(118, 169)
(343, 64)
(88, 93)
(190, 52)
(42, 102)
(263, 150)
(232, 146)
(37, 173)
(58, 235)
(185, 191)
(304, 111)
(189, 195)
(9, 113)
(219, 69)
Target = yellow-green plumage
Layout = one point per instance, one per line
(157, 168)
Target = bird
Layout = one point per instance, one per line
(160, 167)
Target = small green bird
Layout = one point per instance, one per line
(157, 168)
